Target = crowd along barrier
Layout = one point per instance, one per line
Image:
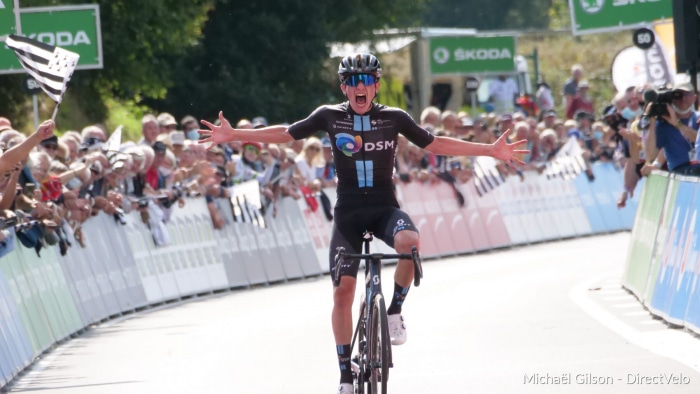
(45, 300)
(662, 261)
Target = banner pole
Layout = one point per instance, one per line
(55, 110)
(18, 23)
(35, 104)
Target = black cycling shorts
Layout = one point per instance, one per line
(349, 224)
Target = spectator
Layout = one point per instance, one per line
(326, 174)
(177, 142)
(73, 146)
(258, 122)
(521, 131)
(308, 162)
(248, 165)
(244, 124)
(465, 128)
(93, 134)
(448, 123)
(49, 146)
(5, 124)
(543, 97)
(675, 133)
(561, 131)
(190, 127)
(502, 94)
(484, 133)
(581, 101)
(634, 141)
(166, 123)
(505, 122)
(549, 145)
(430, 117)
(149, 130)
(6, 135)
(571, 84)
(549, 117)
(526, 105)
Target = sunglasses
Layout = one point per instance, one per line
(50, 146)
(252, 149)
(355, 79)
(312, 147)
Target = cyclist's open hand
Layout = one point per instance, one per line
(502, 150)
(217, 134)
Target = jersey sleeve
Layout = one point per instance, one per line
(307, 127)
(416, 134)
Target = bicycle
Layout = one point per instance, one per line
(373, 359)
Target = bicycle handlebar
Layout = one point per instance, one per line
(417, 266)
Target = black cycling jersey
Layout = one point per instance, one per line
(364, 147)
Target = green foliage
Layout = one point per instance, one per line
(488, 15)
(138, 39)
(558, 52)
(127, 113)
(559, 15)
(266, 58)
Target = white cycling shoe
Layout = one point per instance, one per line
(345, 388)
(397, 329)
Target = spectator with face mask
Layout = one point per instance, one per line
(191, 126)
(675, 132)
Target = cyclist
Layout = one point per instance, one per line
(363, 137)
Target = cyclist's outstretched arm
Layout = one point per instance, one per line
(500, 149)
(226, 133)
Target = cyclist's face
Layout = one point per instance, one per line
(360, 96)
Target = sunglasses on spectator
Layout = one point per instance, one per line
(252, 149)
(314, 147)
(355, 79)
(50, 146)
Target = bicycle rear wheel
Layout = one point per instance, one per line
(379, 347)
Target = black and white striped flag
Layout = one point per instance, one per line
(51, 66)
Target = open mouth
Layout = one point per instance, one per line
(361, 99)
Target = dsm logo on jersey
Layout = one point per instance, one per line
(379, 145)
(350, 145)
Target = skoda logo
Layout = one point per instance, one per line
(441, 55)
(592, 6)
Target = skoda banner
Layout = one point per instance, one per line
(472, 54)
(7, 17)
(75, 28)
(597, 16)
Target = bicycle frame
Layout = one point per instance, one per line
(366, 369)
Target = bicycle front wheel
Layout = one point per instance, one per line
(379, 347)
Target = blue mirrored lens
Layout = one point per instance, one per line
(355, 79)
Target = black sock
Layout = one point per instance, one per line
(344, 363)
(396, 301)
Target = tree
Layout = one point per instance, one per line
(488, 15)
(270, 57)
(137, 39)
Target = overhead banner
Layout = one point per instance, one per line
(472, 54)
(598, 16)
(7, 17)
(635, 67)
(74, 28)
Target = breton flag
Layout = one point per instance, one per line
(486, 175)
(568, 162)
(51, 66)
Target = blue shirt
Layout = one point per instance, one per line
(676, 147)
